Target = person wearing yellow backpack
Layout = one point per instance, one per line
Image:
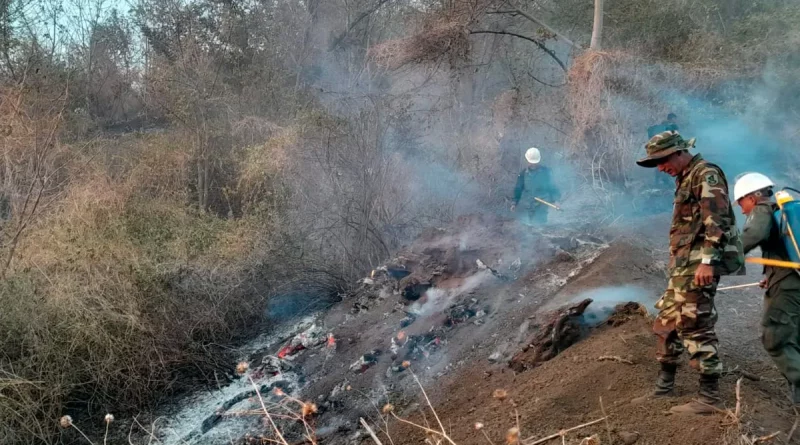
(780, 323)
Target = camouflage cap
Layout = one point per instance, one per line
(661, 146)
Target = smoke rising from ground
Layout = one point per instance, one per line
(449, 137)
(604, 299)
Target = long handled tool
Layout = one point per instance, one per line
(773, 263)
(738, 286)
(547, 203)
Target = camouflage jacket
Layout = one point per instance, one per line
(702, 218)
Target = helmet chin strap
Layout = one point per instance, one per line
(764, 193)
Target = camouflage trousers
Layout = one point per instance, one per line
(686, 321)
(781, 327)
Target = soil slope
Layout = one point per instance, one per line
(455, 306)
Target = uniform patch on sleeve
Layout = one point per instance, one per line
(712, 178)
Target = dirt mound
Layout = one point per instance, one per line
(558, 330)
(595, 378)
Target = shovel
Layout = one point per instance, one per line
(547, 203)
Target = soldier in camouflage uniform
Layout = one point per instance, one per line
(781, 319)
(702, 225)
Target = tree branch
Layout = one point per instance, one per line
(538, 43)
(543, 82)
(358, 19)
(540, 23)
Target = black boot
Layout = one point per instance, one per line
(708, 401)
(709, 389)
(665, 383)
(794, 393)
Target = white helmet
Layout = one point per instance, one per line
(533, 156)
(749, 183)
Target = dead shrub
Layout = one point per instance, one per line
(601, 137)
(588, 96)
(117, 289)
(441, 34)
(259, 171)
(436, 40)
(612, 97)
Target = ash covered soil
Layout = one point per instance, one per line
(489, 308)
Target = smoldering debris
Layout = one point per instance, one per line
(414, 288)
(625, 312)
(498, 275)
(560, 329)
(274, 365)
(365, 361)
(426, 335)
(310, 338)
(460, 313)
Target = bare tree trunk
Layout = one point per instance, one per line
(597, 28)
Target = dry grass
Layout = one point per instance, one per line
(602, 136)
(118, 287)
(612, 97)
(738, 432)
(589, 94)
(260, 168)
(119, 283)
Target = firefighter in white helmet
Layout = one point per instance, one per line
(780, 322)
(535, 181)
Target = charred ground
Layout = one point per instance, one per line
(482, 306)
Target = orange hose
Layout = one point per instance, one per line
(773, 263)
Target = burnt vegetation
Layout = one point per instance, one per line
(169, 166)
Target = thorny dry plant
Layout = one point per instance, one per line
(302, 412)
(291, 409)
(440, 436)
(738, 434)
(66, 422)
